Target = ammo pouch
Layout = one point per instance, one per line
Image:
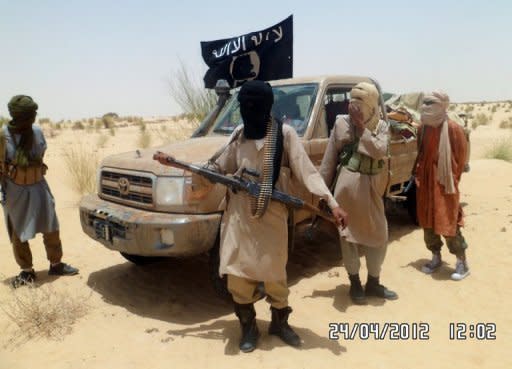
(25, 176)
(357, 162)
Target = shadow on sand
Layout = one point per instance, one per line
(179, 290)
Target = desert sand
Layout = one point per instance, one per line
(167, 314)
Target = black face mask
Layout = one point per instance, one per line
(256, 99)
(255, 122)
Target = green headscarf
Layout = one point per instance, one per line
(23, 111)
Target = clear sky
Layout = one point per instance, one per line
(81, 59)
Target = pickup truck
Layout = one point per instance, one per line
(145, 210)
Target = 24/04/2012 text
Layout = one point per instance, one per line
(379, 331)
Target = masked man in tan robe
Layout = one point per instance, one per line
(440, 164)
(354, 165)
(254, 248)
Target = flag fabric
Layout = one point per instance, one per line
(264, 55)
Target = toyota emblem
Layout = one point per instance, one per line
(124, 186)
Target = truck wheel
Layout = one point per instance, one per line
(410, 204)
(140, 260)
(220, 284)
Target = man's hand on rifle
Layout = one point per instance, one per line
(340, 216)
(162, 158)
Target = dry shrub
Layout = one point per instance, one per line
(188, 92)
(479, 120)
(78, 125)
(501, 149)
(81, 163)
(43, 312)
(506, 123)
(144, 140)
(108, 121)
(112, 131)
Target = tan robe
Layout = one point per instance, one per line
(257, 249)
(360, 195)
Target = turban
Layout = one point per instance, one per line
(21, 107)
(434, 108)
(365, 96)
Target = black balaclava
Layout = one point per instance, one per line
(256, 99)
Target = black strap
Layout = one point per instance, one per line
(278, 153)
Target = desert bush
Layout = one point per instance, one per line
(77, 125)
(43, 121)
(108, 121)
(190, 94)
(81, 164)
(500, 149)
(494, 108)
(43, 312)
(469, 108)
(58, 126)
(506, 123)
(98, 124)
(479, 120)
(112, 131)
(144, 139)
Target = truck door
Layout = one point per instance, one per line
(334, 102)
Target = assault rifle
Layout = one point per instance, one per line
(239, 183)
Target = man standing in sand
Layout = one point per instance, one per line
(441, 160)
(29, 206)
(254, 247)
(354, 164)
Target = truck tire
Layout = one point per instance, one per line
(220, 284)
(410, 204)
(140, 260)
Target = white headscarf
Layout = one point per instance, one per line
(434, 113)
(366, 97)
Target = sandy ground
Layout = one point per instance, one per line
(167, 315)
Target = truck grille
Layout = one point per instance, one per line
(129, 188)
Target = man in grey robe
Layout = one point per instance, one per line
(29, 206)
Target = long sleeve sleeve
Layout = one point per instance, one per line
(303, 169)
(340, 136)
(459, 148)
(375, 145)
(329, 161)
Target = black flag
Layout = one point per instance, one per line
(264, 55)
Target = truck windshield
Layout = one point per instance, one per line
(292, 104)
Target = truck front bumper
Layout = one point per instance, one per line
(140, 232)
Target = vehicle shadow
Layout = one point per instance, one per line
(173, 290)
(180, 291)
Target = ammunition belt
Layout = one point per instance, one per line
(259, 205)
(25, 176)
(364, 164)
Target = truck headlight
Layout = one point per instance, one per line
(169, 191)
